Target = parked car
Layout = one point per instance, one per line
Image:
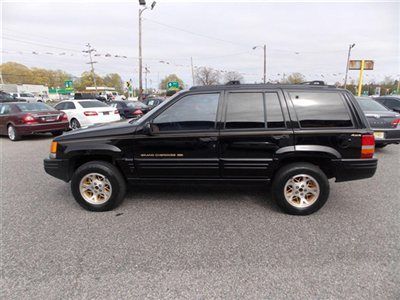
(384, 122)
(391, 102)
(6, 97)
(153, 102)
(28, 97)
(84, 113)
(295, 136)
(90, 96)
(130, 109)
(18, 119)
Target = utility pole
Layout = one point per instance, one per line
(191, 63)
(265, 60)
(351, 46)
(146, 70)
(90, 50)
(141, 10)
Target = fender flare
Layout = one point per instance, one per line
(308, 150)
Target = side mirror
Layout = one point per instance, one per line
(397, 109)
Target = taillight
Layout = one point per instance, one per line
(116, 112)
(138, 112)
(64, 117)
(29, 119)
(90, 113)
(395, 123)
(367, 146)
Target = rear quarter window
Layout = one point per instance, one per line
(321, 109)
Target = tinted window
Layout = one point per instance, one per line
(274, 111)
(245, 110)
(60, 106)
(194, 112)
(90, 104)
(320, 109)
(33, 107)
(392, 103)
(5, 109)
(69, 105)
(136, 104)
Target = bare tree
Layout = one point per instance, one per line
(293, 78)
(207, 76)
(233, 76)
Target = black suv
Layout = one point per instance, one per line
(295, 136)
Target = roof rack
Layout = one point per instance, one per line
(314, 82)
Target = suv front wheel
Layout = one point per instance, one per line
(300, 188)
(98, 186)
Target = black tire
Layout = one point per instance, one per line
(289, 171)
(74, 124)
(57, 133)
(110, 172)
(12, 133)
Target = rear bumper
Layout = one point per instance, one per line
(41, 128)
(58, 168)
(392, 136)
(354, 169)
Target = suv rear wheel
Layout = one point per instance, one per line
(300, 188)
(98, 186)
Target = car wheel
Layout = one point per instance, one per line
(75, 124)
(57, 133)
(98, 186)
(12, 133)
(300, 188)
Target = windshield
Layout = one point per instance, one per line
(147, 116)
(34, 107)
(90, 104)
(135, 104)
(371, 105)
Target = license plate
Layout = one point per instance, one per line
(106, 113)
(379, 135)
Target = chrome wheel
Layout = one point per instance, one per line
(11, 133)
(301, 191)
(75, 124)
(95, 188)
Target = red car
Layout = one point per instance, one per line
(21, 118)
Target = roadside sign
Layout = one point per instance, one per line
(173, 85)
(68, 84)
(356, 64)
(378, 91)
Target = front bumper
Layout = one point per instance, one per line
(354, 169)
(58, 168)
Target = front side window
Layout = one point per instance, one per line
(316, 109)
(245, 110)
(69, 105)
(193, 112)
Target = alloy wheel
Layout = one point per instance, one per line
(95, 188)
(301, 191)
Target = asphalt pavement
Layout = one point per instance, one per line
(195, 241)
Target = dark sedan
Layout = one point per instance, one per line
(21, 118)
(384, 122)
(6, 97)
(153, 102)
(391, 102)
(130, 109)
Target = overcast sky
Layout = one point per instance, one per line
(311, 38)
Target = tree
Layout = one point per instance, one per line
(233, 76)
(170, 78)
(294, 78)
(86, 80)
(207, 76)
(115, 81)
(16, 73)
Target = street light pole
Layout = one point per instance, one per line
(351, 46)
(141, 10)
(265, 61)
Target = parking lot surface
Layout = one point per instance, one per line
(195, 241)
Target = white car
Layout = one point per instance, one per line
(28, 97)
(84, 113)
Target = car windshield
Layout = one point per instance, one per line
(147, 116)
(34, 107)
(134, 104)
(371, 105)
(91, 104)
(6, 96)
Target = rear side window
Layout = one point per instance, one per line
(69, 105)
(315, 109)
(254, 110)
(90, 104)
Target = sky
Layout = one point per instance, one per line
(307, 37)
